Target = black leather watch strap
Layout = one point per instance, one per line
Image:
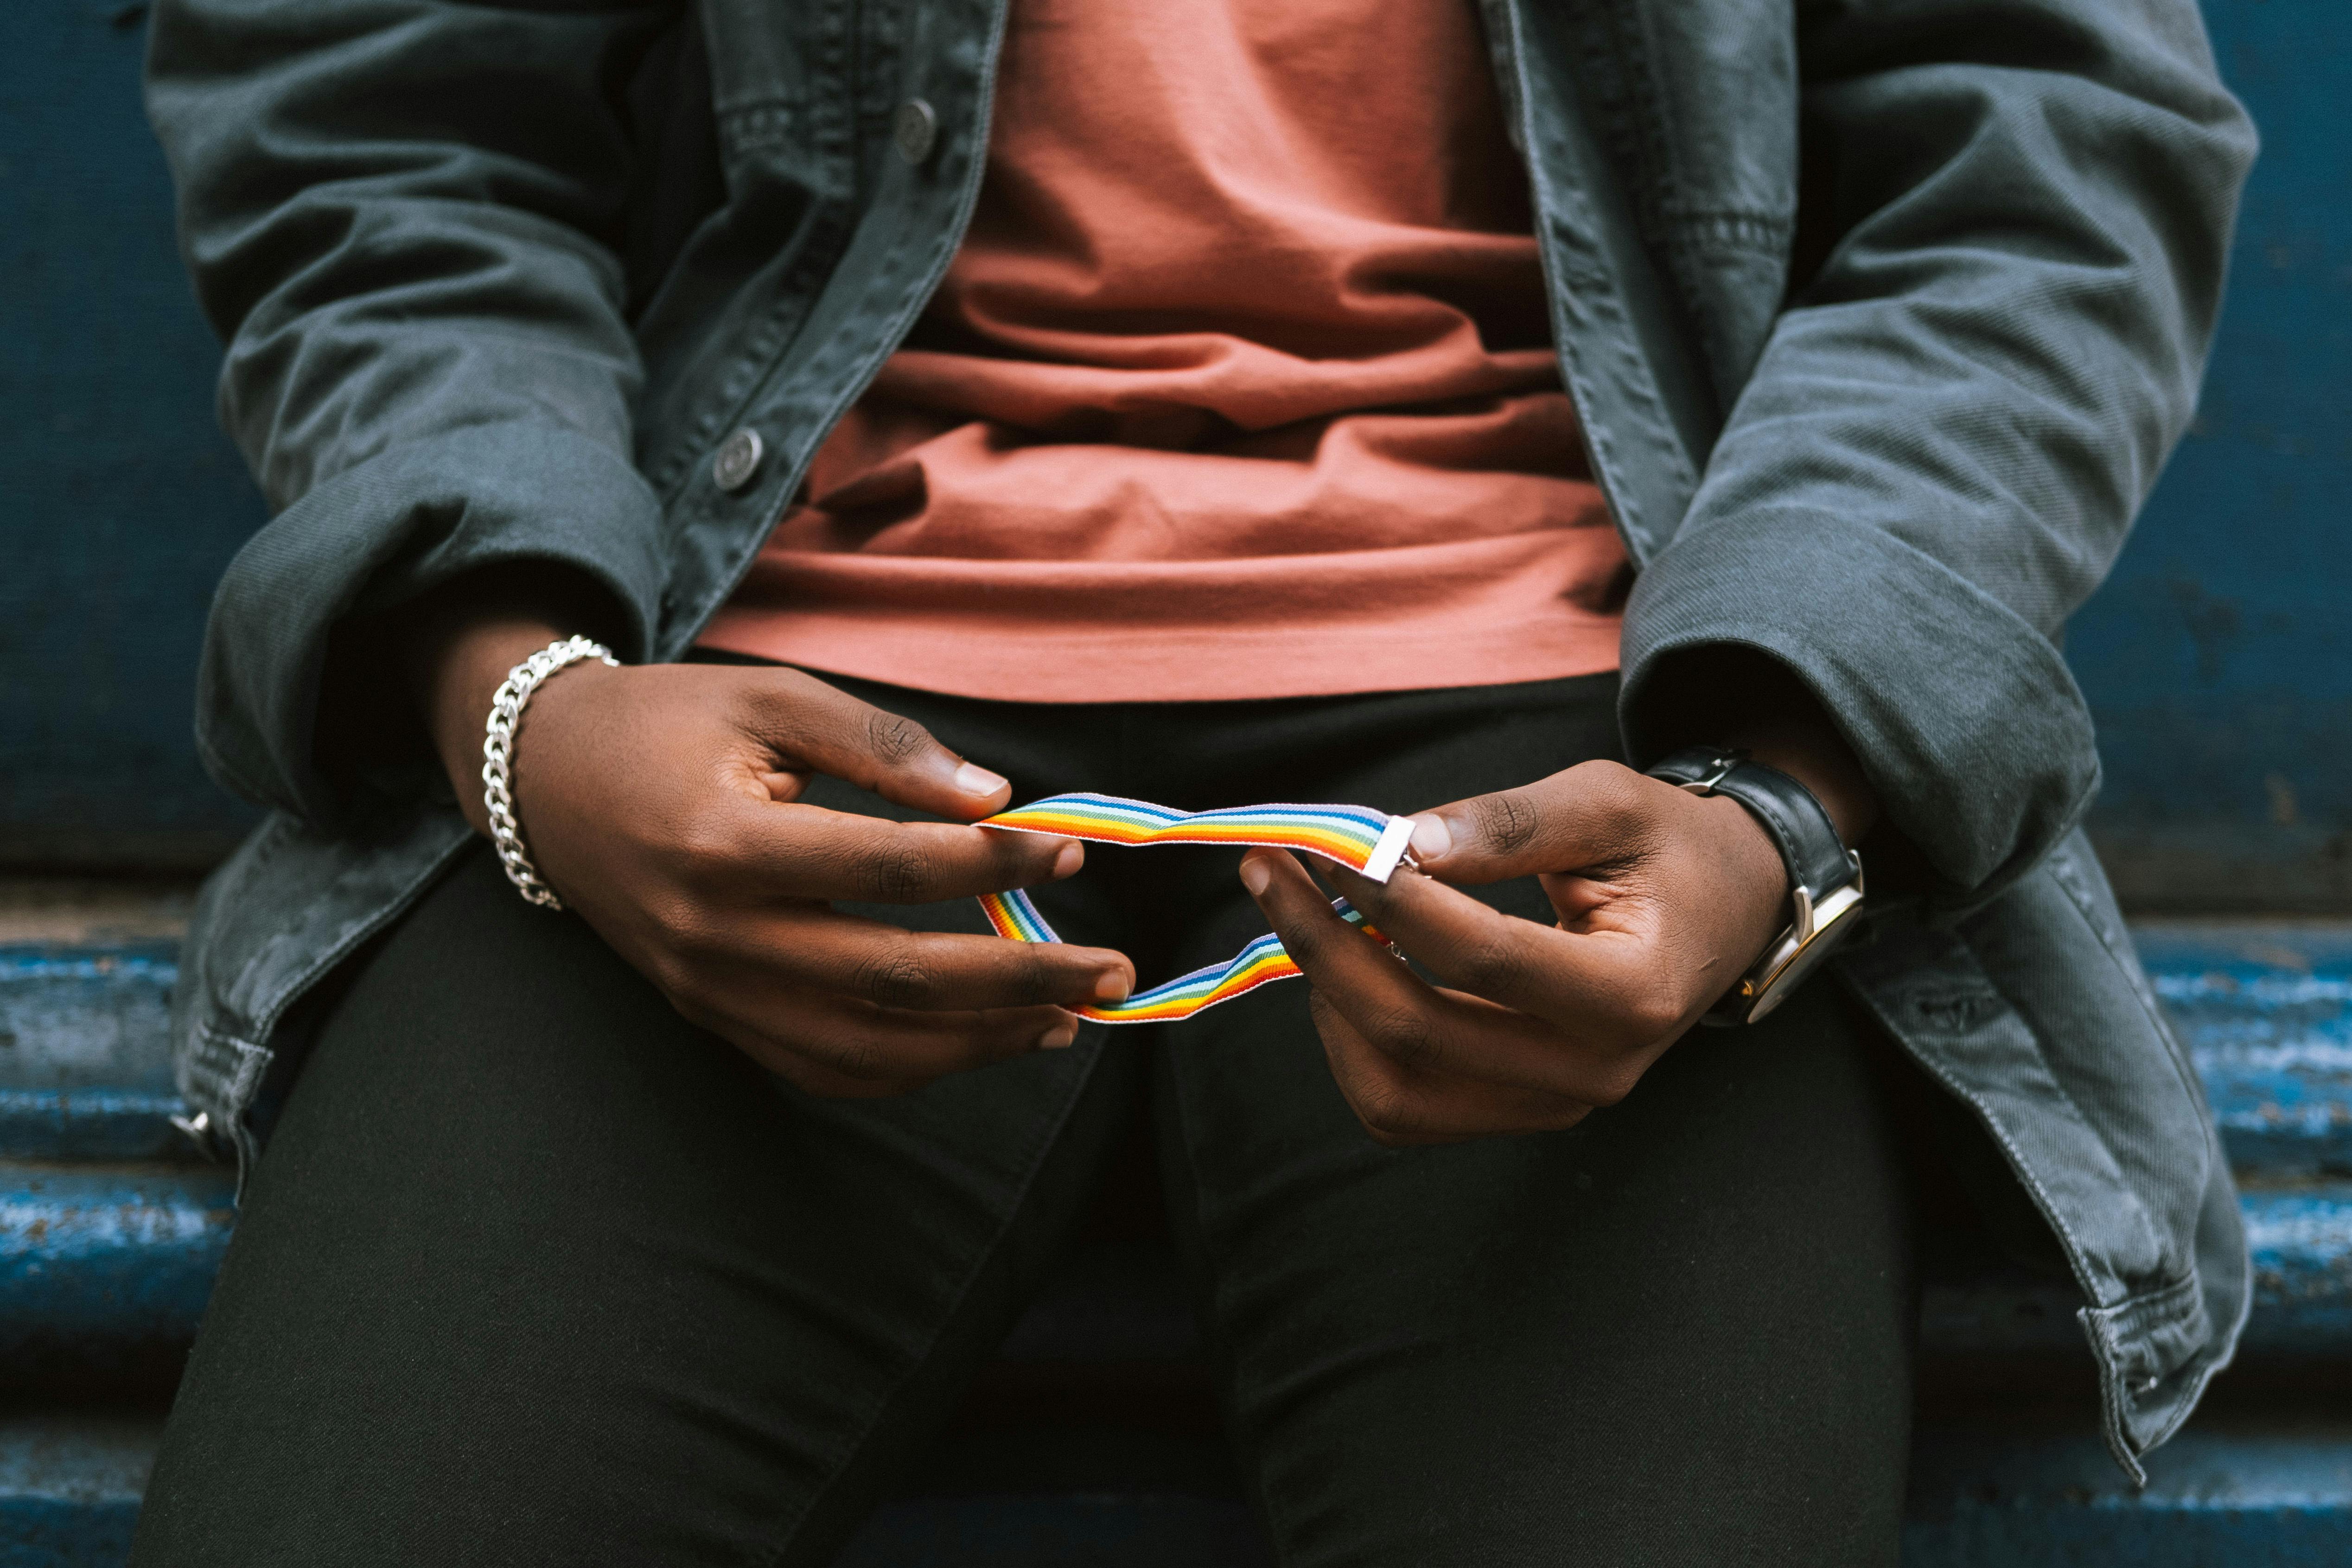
(1796, 821)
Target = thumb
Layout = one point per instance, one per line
(1593, 814)
(821, 728)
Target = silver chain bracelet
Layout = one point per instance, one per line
(497, 758)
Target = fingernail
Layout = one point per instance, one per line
(1254, 876)
(975, 780)
(1111, 986)
(1060, 1037)
(1432, 839)
(1068, 858)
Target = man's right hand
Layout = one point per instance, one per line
(663, 803)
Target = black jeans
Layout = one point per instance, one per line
(535, 1272)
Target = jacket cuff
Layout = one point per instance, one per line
(1964, 719)
(376, 536)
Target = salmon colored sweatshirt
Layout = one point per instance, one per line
(1240, 387)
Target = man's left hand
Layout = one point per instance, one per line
(1663, 899)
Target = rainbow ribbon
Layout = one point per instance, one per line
(1371, 842)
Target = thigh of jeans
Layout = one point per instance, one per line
(532, 1271)
(1677, 1334)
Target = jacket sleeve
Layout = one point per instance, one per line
(399, 216)
(2022, 210)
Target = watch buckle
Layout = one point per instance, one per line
(1724, 762)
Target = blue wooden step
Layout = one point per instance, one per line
(2301, 1237)
(2265, 1009)
(85, 1052)
(2225, 1494)
(120, 1255)
(105, 1259)
(100, 1261)
(70, 1483)
(104, 1264)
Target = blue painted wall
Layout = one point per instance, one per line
(119, 499)
(2214, 660)
(2217, 657)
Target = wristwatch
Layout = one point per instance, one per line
(1824, 875)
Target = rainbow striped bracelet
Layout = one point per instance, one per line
(1361, 839)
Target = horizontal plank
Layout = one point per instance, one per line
(2276, 1495)
(98, 1262)
(87, 1017)
(2264, 1008)
(96, 1124)
(2301, 1240)
(85, 1052)
(2240, 1493)
(70, 1483)
(100, 1265)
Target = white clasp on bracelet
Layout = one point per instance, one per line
(497, 758)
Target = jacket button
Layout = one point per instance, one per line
(915, 130)
(738, 459)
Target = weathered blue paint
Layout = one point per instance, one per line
(2302, 1243)
(95, 1258)
(69, 1488)
(86, 1016)
(99, 1263)
(2266, 1013)
(2213, 659)
(119, 499)
(93, 1124)
(2265, 1007)
(85, 1068)
(2219, 1495)
(2301, 1237)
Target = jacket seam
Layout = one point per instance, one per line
(2135, 980)
(2213, 1366)
(265, 1018)
(833, 131)
(2071, 1244)
(936, 256)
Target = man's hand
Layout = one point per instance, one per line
(663, 804)
(1663, 899)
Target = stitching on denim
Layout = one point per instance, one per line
(2076, 1251)
(265, 1019)
(881, 281)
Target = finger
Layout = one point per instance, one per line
(822, 727)
(834, 1046)
(882, 965)
(1608, 989)
(1400, 1013)
(796, 850)
(1593, 814)
(883, 1045)
(1332, 953)
(1402, 1106)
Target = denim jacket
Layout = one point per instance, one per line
(1880, 317)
